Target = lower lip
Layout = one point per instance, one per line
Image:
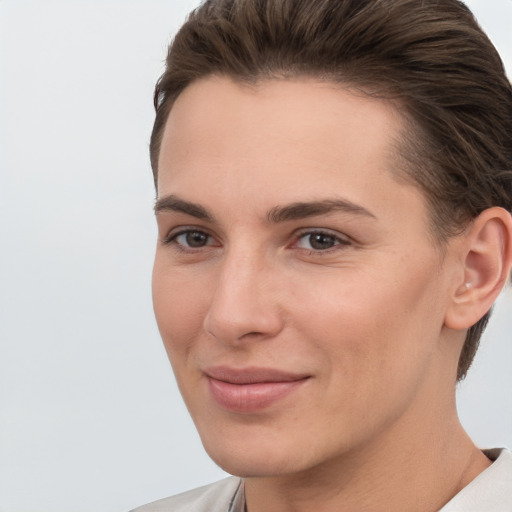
(250, 397)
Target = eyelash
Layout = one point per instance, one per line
(339, 241)
(172, 239)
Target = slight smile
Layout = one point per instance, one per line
(248, 390)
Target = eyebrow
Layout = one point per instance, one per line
(175, 204)
(297, 211)
(278, 214)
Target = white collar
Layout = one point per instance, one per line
(490, 491)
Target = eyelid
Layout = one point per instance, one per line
(173, 234)
(342, 239)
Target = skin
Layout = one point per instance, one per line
(363, 315)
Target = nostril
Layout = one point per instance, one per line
(242, 324)
(253, 334)
(242, 306)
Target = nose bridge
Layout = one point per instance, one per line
(243, 302)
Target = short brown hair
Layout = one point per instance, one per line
(430, 55)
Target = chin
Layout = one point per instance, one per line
(263, 454)
(251, 459)
(248, 466)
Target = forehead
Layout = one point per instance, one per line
(276, 114)
(279, 141)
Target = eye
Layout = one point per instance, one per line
(320, 241)
(191, 239)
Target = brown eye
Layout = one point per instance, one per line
(192, 239)
(196, 239)
(320, 241)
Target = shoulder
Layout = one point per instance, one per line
(216, 497)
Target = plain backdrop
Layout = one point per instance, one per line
(90, 417)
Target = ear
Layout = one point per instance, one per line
(487, 260)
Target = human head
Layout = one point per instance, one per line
(430, 58)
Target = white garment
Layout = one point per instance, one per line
(224, 496)
(491, 491)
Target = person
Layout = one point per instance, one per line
(334, 188)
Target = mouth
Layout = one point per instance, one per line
(252, 389)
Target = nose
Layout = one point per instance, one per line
(244, 305)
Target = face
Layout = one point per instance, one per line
(296, 286)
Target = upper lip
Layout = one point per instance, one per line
(252, 375)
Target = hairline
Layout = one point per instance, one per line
(405, 156)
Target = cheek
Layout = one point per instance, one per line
(180, 302)
(373, 322)
(376, 347)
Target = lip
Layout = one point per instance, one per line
(251, 389)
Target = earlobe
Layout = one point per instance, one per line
(487, 260)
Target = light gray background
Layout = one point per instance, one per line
(90, 418)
